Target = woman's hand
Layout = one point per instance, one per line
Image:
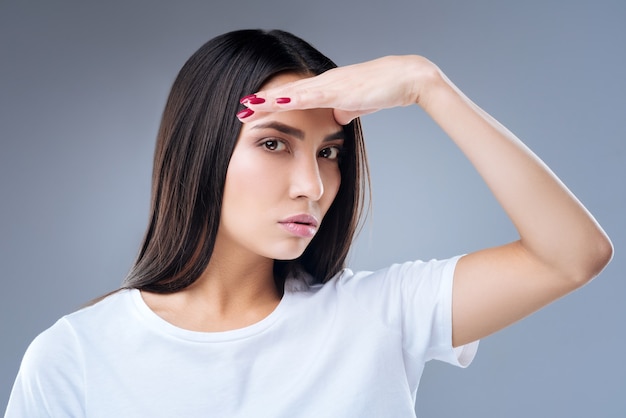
(352, 90)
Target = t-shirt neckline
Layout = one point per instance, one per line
(164, 327)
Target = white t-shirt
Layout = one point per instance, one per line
(353, 347)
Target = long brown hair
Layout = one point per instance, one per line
(196, 139)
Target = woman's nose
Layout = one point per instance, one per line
(306, 180)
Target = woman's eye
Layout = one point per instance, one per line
(331, 153)
(273, 145)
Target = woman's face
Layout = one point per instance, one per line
(281, 180)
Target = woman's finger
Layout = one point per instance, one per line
(293, 96)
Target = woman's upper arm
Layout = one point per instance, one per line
(496, 287)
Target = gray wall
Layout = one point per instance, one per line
(81, 91)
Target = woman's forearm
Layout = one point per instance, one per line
(553, 225)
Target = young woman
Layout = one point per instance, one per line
(239, 304)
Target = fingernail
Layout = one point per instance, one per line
(247, 98)
(256, 100)
(283, 100)
(245, 113)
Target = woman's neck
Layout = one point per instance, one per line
(232, 292)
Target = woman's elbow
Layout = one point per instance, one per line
(598, 255)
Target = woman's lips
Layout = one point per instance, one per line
(302, 225)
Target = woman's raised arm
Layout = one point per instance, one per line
(561, 246)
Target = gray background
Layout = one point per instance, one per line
(82, 87)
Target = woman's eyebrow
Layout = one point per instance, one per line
(337, 135)
(295, 132)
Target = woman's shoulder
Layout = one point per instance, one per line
(408, 282)
(51, 373)
(414, 272)
(103, 311)
(409, 273)
(64, 335)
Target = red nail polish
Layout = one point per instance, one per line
(247, 98)
(256, 100)
(245, 113)
(283, 100)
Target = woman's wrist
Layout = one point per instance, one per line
(426, 81)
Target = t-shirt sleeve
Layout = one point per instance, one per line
(416, 298)
(427, 311)
(50, 380)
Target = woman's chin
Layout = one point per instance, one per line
(289, 254)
